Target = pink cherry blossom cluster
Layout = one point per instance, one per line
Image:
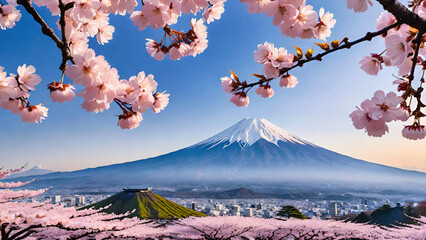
(182, 44)
(9, 15)
(102, 86)
(163, 13)
(377, 111)
(79, 21)
(160, 13)
(273, 60)
(15, 91)
(294, 18)
(399, 43)
(232, 227)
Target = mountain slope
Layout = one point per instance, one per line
(146, 205)
(253, 151)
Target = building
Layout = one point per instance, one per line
(190, 205)
(248, 212)
(235, 210)
(70, 201)
(56, 199)
(258, 206)
(80, 200)
(332, 209)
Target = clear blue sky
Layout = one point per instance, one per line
(316, 110)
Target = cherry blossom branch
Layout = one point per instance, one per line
(65, 49)
(368, 36)
(403, 14)
(48, 31)
(418, 42)
(44, 27)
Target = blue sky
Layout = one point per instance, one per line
(316, 110)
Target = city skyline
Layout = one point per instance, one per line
(316, 110)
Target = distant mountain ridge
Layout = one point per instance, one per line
(253, 151)
(34, 171)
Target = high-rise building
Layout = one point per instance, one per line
(235, 210)
(258, 206)
(80, 200)
(332, 209)
(248, 212)
(56, 199)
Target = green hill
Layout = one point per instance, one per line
(147, 204)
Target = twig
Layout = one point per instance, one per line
(368, 36)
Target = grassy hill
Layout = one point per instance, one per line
(147, 204)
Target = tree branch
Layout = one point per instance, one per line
(368, 36)
(44, 27)
(48, 31)
(403, 14)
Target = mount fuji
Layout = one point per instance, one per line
(253, 151)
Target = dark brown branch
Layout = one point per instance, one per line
(65, 49)
(44, 27)
(418, 42)
(48, 31)
(368, 36)
(403, 14)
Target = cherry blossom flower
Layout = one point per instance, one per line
(397, 48)
(8, 87)
(157, 13)
(9, 15)
(358, 5)
(270, 71)
(228, 84)
(129, 120)
(155, 50)
(386, 107)
(306, 19)
(263, 52)
(13, 105)
(193, 6)
(199, 28)
(160, 102)
(85, 10)
(282, 12)
(34, 114)
(240, 99)
(256, 6)
(361, 120)
(122, 6)
(288, 81)
(323, 29)
(265, 91)
(105, 34)
(85, 69)
(139, 20)
(175, 53)
(214, 12)
(385, 19)
(60, 92)
(129, 91)
(281, 59)
(27, 79)
(372, 64)
(414, 132)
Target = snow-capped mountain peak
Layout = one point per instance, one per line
(249, 130)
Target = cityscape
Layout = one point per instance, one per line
(260, 208)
